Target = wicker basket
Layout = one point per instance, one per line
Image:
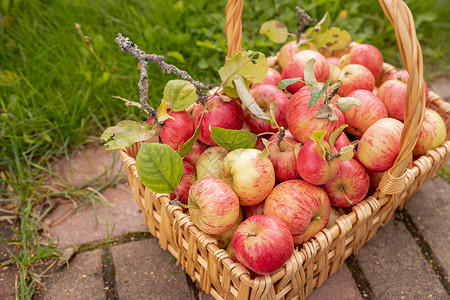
(316, 260)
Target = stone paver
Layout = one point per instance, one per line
(81, 280)
(429, 209)
(89, 164)
(8, 276)
(340, 285)
(143, 271)
(124, 216)
(395, 267)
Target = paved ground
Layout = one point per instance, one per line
(117, 258)
(407, 259)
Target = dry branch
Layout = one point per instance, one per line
(143, 58)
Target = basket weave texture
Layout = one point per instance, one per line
(316, 260)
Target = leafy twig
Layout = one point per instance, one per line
(143, 58)
(303, 20)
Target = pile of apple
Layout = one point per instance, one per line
(260, 203)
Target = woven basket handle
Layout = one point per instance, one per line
(402, 20)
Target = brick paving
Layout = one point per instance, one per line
(407, 259)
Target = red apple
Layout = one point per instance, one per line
(221, 114)
(333, 60)
(334, 74)
(360, 117)
(262, 244)
(355, 77)
(250, 174)
(380, 144)
(368, 56)
(210, 162)
(254, 210)
(194, 155)
(283, 156)
(196, 110)
(304, 208)
(344, 60)
(341, 141)
(349, 186)
(229, 250)
(186, 181)
(375, 179)
(302, 121)
(273, 77)
(403, 75)
(393, 93)
(214, 207)
(311, 165)
(286, 52)
(264, 95)
(296, 66)
(224, 239)
(178, 130)
(432, 133)
(259, 143)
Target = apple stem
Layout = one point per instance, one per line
(178, 203)
(354, 143)
(280, 136)
(345, 195)
(188, 206)
(252, 233)
(331, 95)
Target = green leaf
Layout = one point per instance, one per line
(233, 139)
(179, 94)
(162, 113)
(276, 31)
(344, 103)
(128, 102)
(185, 148)
(247, 99)
(336, 85)
(310, 77)
(309, 34)
(317, 94)
(346, 153)
(318, 136)
(126, 133)
(332, 39)
(252, 65)
(266, 151)
(335, 135)
(272, 109)
(159, 167)
(287, 82)
(323, 24)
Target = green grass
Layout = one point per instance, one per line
(55, 94)
(445, 172)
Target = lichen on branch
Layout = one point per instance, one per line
(143, 58)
